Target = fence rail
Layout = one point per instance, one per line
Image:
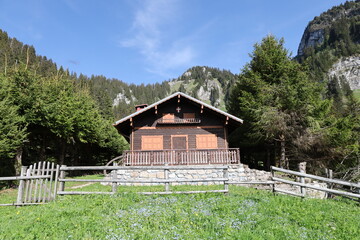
(166, 181)
(304, 185)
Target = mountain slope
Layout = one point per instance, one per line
(330, 45)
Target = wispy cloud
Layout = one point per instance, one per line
(151, 35)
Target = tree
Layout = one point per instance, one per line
(64, 123)
(12, 132)
(275, 98)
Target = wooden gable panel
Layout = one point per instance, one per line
(206, 141)
(152, 143)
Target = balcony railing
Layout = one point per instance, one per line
(179, 121)
(182, 157)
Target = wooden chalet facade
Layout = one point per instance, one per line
(178, 129)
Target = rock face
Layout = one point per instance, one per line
(310, 39)
(121, 97)
(314, 33)
(204, 92)
(210, 85)
(348, 69)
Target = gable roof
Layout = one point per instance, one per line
(175, 95)
(123, 125)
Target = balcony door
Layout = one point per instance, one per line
(179, 142)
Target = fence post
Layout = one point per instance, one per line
(302, 169)
(272, 178)
(21, 186)
(62, 176)
(226, 182)
(56, 181)
(330, 185)
(114, 184)
(166, 176)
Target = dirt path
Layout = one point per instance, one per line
(80, 186)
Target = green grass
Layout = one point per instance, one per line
(8, 196)
(245, 213)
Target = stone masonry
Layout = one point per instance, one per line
(236, 173)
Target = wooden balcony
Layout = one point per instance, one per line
(182, 157)
(179, 121)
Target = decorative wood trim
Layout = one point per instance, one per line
(178, 98)
(226, 138)
(156, 111)
(202, 109)
(137, 128)
(132, 140)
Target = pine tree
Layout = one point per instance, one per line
(12, 132)
(275, 98)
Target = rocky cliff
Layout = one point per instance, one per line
(316, 30)
(347, 68)
(331, 44)
(210, 85)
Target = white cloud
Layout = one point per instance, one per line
(151, 32)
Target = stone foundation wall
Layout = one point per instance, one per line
(236, 173)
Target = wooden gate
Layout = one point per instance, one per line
(37, 184)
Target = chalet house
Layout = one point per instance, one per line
(178, 129)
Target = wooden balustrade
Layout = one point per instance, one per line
(179, 121)
(182, 157)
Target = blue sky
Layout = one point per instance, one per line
(148, 41)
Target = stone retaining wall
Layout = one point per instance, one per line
(236, 173)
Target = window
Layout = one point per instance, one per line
(152, 143)
(206, 141)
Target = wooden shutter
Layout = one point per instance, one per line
(152, 143)
(168, 117)
(188, 115)
(206, 141)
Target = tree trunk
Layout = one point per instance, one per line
(62, 148)
(282, 152)
(18, 161)
(268, 159)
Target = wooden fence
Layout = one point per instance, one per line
(352, 188)
(166, 181)
(37, 184)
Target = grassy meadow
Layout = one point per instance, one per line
(245, 213)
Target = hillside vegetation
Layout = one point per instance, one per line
(243, 214)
